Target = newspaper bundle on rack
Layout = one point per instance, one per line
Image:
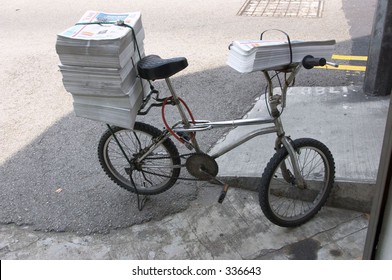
(253, 55)
(98, 59)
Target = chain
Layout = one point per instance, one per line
(166, 176)
(167, 157)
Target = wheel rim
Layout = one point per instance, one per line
(290, 202)
(154, 172)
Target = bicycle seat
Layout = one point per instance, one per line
(152, 67)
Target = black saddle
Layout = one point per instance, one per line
(152, 67)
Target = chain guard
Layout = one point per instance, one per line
(202, 166)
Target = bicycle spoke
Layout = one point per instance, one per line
(155, 171)
(287, 200)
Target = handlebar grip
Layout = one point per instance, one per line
(308, 62)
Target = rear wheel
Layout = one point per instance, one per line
(284, 202)
(154, 174)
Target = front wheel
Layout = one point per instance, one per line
(283, 201)
(156, 173)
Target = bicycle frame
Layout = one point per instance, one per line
(153, 162)
(189, 126)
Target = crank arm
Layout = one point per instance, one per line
(216, 181)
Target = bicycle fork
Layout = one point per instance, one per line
(295, 178)
(274, 101)
(298, 179)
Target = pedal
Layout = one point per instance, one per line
(189, 146)
(223, 193)
(186, 136)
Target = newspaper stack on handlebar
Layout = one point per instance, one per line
(98, 56)
(254, 55)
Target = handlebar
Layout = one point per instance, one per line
(308, 62)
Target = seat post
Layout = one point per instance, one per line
(177, 103)
(184, 118)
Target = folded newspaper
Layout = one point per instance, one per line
(253, 55)
(98, 58)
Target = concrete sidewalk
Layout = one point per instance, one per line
(348, 122)
(236, 229)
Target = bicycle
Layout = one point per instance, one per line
(295, 183)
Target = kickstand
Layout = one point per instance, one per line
(141, 201)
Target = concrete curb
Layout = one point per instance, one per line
(345, 194)
(350, 195)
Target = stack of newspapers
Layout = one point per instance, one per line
(98, 58)
(253, 55)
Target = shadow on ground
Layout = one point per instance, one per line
(55, 183)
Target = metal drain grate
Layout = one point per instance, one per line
(282, 8)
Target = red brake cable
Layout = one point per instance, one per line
(167, 125)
